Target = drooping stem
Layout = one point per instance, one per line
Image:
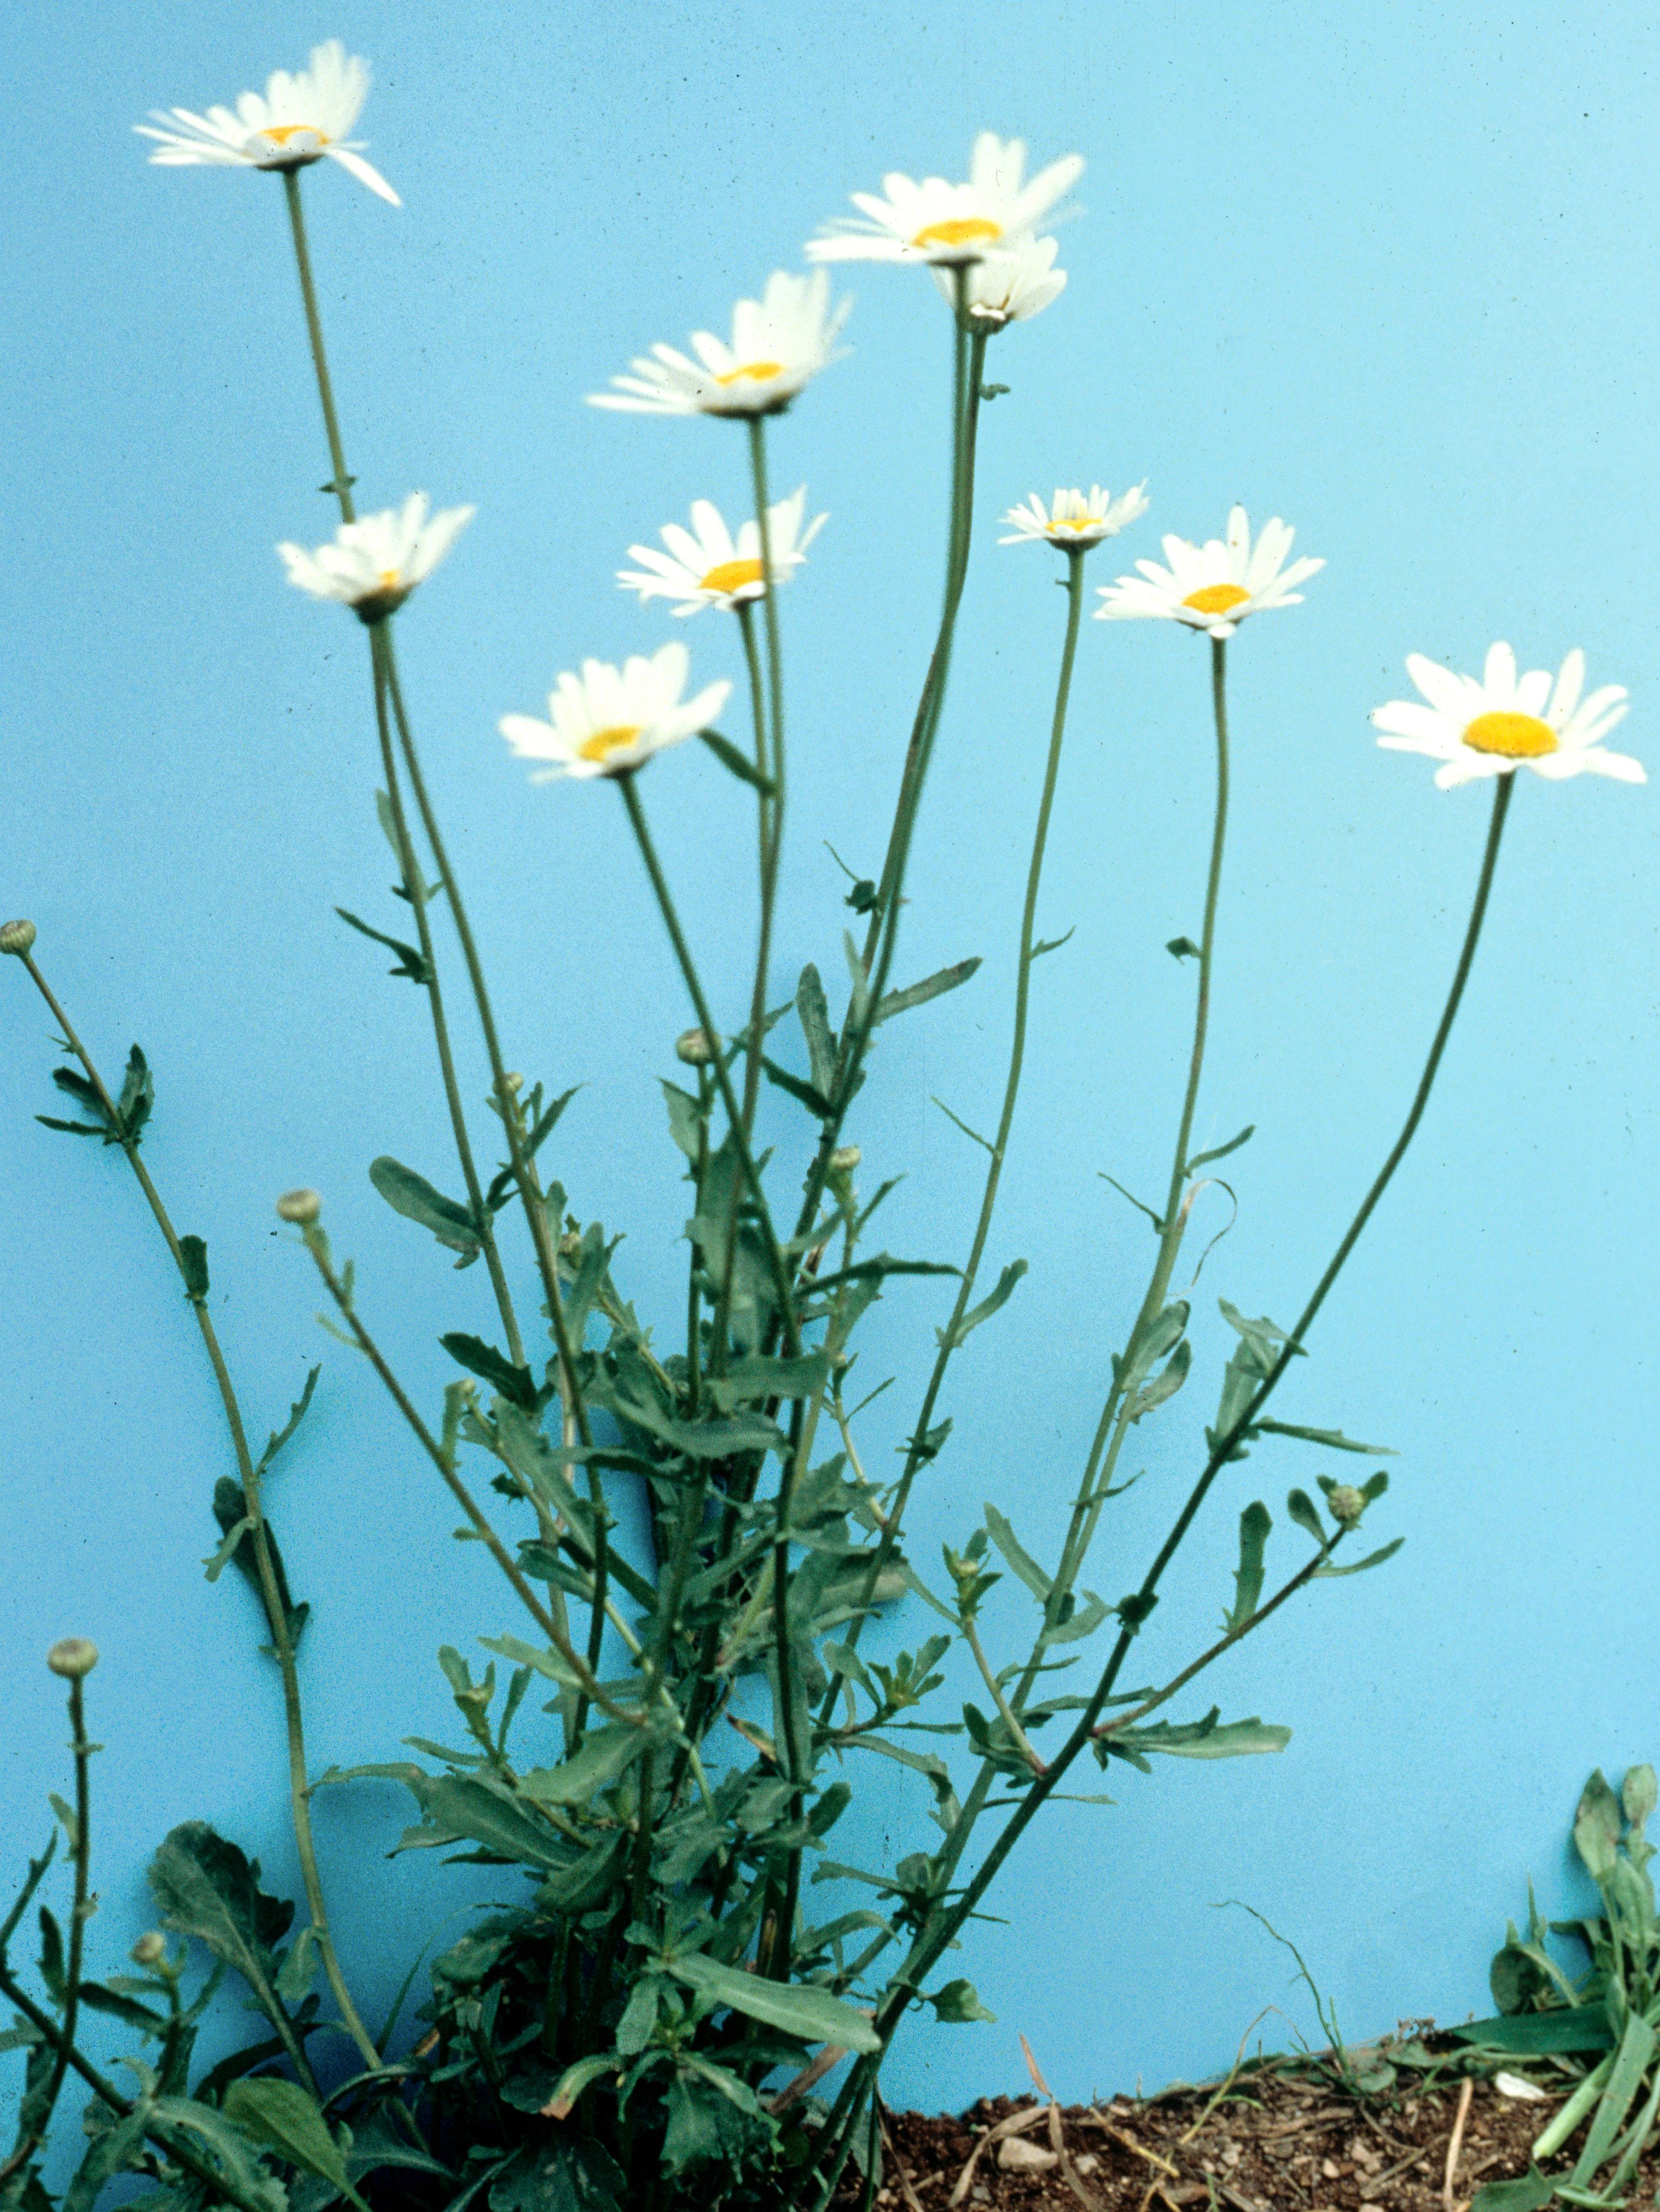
(415, 890)
(917, 1451)
(343, 478)
(625, 785)
(248, 1475)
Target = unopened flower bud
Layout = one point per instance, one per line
(512, 1081)
(694, 1047)
(845, 1159)
(72, 1656)
(1345, 1504)
(302, 1207)
(149, 1950)
(16, 937)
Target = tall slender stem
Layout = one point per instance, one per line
(343, 479)
(756, 1043)
(249, 1474)
(774, 768)
(415, 890)
(81, 1850)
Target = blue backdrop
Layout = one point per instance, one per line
(1372, 270)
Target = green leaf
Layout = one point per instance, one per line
(128, 2010)
(918, 995)
(467, 1807)
(755, 1376)
(71, 1129)
(1530, 2192)
(112, 2149)
(985, 1143)
(1084, 1622)
(299, 1968)
(1184, 949)
(281, 2116)
(986, 1307)
(1541, 2034)
(531, 1654)
(1631, 2059)
(132, 1108)
(957, 2005)
(1264, 1337)
(1358, 1567)
(884, 1264)
(503, 1182)
(1019, 1560)
(813, 1008)
(1304, 1511)
(1254, 1522)
(576, 2078)
(602, 1756)
(278, 1438)
(411, 962)
(688, 1123)
(1052, 944)
(1597, 1827)
(414, 1197)
(1165, 1383)
(230, 1510)
(737, 762)
(207, 1888)
(1221, 1151)
(811, 2014)
(1157, 1220)
(1332, 1439)
(1210, 1738)
(516, 1384)
(194, 1266)
(804, 1093)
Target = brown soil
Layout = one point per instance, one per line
(1268, 2139)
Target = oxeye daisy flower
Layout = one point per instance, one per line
(935, 220)
(1504, 721)
(707, 567)
(1008, 286)
(371, 565)
(779, 344)
(1215, 585)
(607, 719)
(300, 119)
(1073, 519)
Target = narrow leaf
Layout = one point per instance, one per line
(918, 995)
(804, 1093)
(731, 758)
(410, 961)
(516, 1383)
(986, 1307)
(813, 1008)
(1020, 1560)
(1254, 1522)
(413, 1196)
(801, 2010)
(193, 1265)
(282, 2117)
(1372, 1560)
(1332, 1439)
(1221, 1151)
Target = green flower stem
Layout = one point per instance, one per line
(317, 1245)
(775, 767)
(523, 1169)
(343, 479)
(625, 785)
(933, 1941)
(916, 1453)
(882, 935)
(755, 1041)
(81, 1850)
(249, 1474)
(174, 2142)
(416, 891)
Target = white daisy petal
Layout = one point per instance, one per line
(1212, 586)
(710, 569)
(373, 564)
(1074, 518)
(302, 118)
(965, 224)
(779, 342)
(609, 720)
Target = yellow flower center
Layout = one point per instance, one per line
(280, 133)
(731, 575)
(958, 230)
(1075, 522)
(390, 580)
(1216, 599)
(757, 371)
(603, 743)
(1518, 737)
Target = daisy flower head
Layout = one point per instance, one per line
(1215, 585)
(1073, 518)
(301, 118)
(609, 719)
(371, 565)
(1501, 721)
(1008, 286)
(939, 222)
(779, 344)
(707, 567)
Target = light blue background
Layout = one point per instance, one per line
(1381, 270)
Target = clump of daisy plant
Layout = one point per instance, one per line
(648, 1430)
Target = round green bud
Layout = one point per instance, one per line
(149, 1950)
(302, 1207)
(512, 1081)
(17, 937)
(1345, 1504)
(73, 1657)
(693, 1048)
(845, 1159)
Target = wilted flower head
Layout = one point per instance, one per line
(1009, 286)
(300, 119)
(935, 220)
(607, 719)
(373, 564)
(1215, 585)
(1504, 721)
(1071, 519)
(779, 344)
(707, 567)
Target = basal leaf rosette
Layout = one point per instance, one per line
(371, 565)
(1501, 721)
(303, 116)
(779, 344)
(1212, 586)
(707, 566)
(609, 721)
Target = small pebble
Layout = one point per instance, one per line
(1515, 2085)
(1016, 2155)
